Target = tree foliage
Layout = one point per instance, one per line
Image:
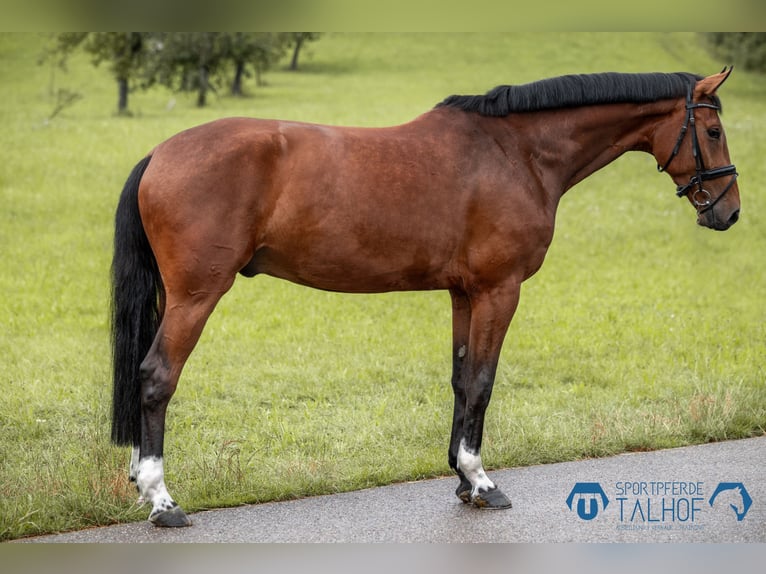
(187, 61)
(746, 49)
(252, 53)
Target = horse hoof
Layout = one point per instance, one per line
(493, 499)
(172, 518)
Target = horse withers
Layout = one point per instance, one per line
(462, 198)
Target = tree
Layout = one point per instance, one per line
(202, 60)
(746, 49)
(187, 61)
(258, 49)
(269, 49)
(298, 39)
(60, 47)
(124, 51)
(56, 53)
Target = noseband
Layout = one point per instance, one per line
(700, 196)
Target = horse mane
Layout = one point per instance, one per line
(576, 90)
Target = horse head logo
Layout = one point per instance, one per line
(736, 495)
(587, 488)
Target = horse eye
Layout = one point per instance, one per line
(714, 133)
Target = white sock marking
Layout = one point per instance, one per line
(134, 463)
(151, 484)
(470, 465)
(133, 475)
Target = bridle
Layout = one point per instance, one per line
(700, 197)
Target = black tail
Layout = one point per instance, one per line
(136, 293)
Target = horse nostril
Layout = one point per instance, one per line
(734, 217)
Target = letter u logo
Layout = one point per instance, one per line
(587, 488)
(592, 511)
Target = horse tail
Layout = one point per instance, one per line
(137, 292)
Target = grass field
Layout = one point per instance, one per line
(641, 331)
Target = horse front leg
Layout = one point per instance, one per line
(461, 329)
(491, 313)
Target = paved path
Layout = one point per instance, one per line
(668, 501)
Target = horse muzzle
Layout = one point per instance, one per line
(709, 210)
(712, 220)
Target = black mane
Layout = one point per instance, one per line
(576, 90)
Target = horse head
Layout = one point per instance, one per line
(697, 156)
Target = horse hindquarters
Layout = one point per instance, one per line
(157, 323)
(137, 290)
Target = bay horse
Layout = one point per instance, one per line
(462, 198)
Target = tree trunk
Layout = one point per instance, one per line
(236, 86)
(296, 50)
(202, 93)
(122, 96)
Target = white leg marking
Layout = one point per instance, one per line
(151, 485)
(134, 463)
(470, 464)
(134, 472)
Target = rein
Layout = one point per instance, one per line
(700, 197)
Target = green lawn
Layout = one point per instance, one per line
(641, 331)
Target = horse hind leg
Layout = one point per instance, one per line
(179, 331)
(157, 387)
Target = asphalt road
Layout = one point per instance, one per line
(661, 496)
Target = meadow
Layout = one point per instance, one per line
(641, 331)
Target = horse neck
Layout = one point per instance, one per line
(571, 144)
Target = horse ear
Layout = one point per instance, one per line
(709, 85)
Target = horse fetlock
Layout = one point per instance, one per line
(151, 487)
(463, 490)
(471, 467)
